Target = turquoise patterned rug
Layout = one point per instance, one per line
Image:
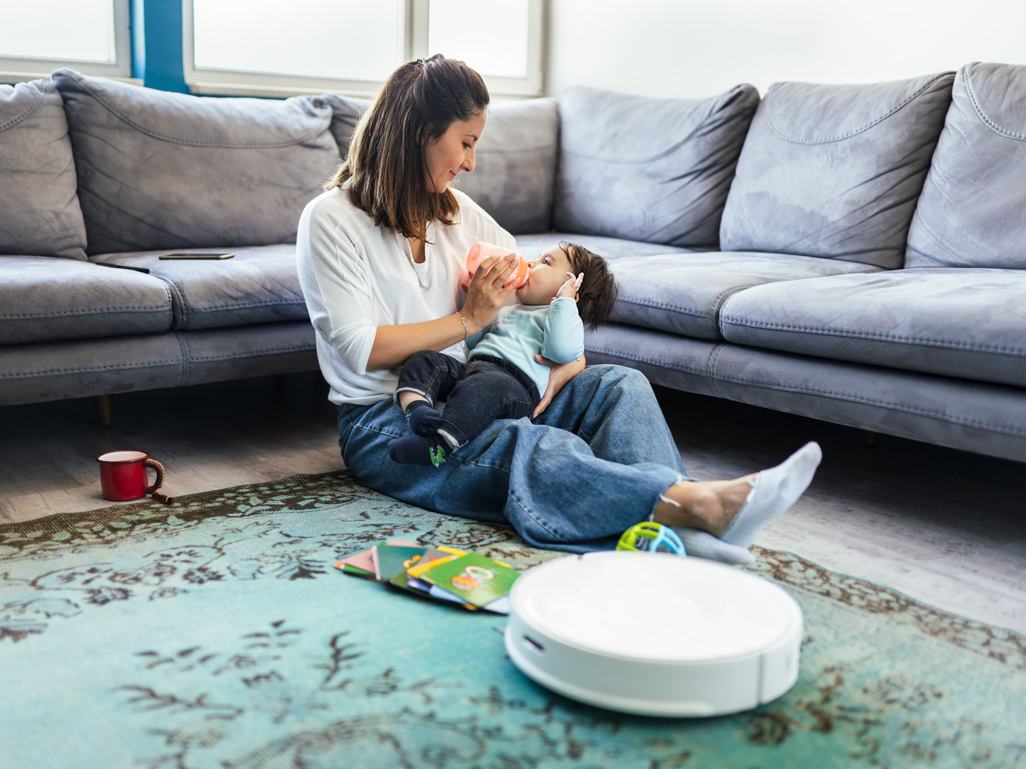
(215, 633)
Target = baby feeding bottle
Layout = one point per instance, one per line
(481, 251)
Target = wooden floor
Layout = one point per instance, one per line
(943, 526)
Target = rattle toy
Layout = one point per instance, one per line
(649, 537)
(481, 251)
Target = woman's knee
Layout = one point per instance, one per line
(624, 378)
(364, 433)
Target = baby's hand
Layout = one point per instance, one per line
(570, 288)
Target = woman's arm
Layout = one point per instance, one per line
(485, 296)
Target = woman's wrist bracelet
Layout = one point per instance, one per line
(466, 329)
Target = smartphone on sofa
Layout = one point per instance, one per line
(196, 256)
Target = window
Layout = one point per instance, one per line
(277, 48)
(40, 36)
(501, 39)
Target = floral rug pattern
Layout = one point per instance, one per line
(215, 633)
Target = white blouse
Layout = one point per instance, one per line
(357, 276)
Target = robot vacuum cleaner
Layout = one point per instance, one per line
(654, 634)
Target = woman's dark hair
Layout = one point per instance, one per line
(599, 290)
(386, 166)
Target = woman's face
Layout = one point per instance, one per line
(453, 152)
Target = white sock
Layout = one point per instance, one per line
(773, 492)
(702, 544)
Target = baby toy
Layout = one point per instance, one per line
(648, 537)
(481, 251)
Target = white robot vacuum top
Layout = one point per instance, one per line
(654, 633)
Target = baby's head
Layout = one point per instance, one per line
(548, 272)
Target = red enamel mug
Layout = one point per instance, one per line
(123, 476)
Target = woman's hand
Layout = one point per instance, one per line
(560, 374)
(487, 292)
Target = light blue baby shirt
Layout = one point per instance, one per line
(518, 333)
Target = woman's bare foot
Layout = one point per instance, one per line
(707, 505)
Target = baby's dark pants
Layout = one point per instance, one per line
(476, 393)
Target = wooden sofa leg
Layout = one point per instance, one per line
(869, 438)
(105, 409)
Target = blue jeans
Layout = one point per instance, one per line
(476, 393)
(592, 465)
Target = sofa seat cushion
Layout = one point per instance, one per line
(649, 169)
(972, 212)
(39, 207)
(257, 285)
(834, 170)
(45, 299)
(957, 322)
(610, 249)
(684, 293)
(515, 176)
(170, 170)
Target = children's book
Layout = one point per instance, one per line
(436, 556)
(355, 571)
(499, 605)
(363, 561)
(470, 580)
(425, 561)
(389, 560)
(473, 578)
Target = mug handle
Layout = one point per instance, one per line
(160, 482)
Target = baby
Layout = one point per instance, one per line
(502, 379)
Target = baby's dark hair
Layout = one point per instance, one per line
(599, 289)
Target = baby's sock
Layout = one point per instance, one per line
(773, 492)
(423, 418)
(418, 450)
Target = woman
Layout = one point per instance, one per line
(381, 255)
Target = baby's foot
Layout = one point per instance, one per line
(423, 418)
(417, 450)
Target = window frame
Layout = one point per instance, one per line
(414, 36)
(18, 69)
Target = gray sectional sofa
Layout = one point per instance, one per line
(855, 254)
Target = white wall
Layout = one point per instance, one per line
(697, 48)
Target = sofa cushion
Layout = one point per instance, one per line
(39, 208)
(834, 170)
(656, 170)
(531, 246)
(169, 170)
(951, 321)
(515, 174)
(44, 299)
(972, 212)
(345, 114)
(684, 293)
(974, 416)
(79, 368)
(257, 285)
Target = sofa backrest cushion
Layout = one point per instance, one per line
(159, 170)
(515, 174)
(656, 170)
(972, 212)
(834, 170)
(345, 114)
(39, 209)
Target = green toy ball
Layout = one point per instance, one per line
(651, 537)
